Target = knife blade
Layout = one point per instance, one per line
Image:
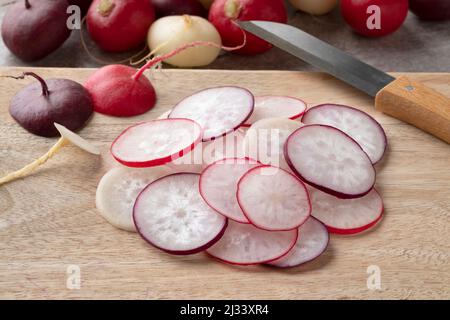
(320, 54)
(402, 98)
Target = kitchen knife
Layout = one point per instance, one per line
(402, 98)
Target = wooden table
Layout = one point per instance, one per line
(49, 225)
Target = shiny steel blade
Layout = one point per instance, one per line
(320, 54)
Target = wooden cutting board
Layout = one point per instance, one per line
(50, 229)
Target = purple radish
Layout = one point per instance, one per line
(32, 29)
(218, 110)
(218, 186)
(312, 241)
(273, 199)
(244, 244)
(347, 216)
(330, 160)
(39, 105)
(171, 215)
(156, 142)
(356, 123)
(276, 107)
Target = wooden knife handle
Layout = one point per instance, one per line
(418, 105)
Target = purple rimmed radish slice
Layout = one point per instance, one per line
(156, 142)
(218, 186)
(265, 140)
(244, 244)
(273, 199)
(356, 123)
(312, 241)
(347, 216)
(118, 190)
(171, 215)
(218, 110)
(67, 137)
(330, 160)
(276, 107)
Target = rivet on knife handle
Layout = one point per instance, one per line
(416, 104)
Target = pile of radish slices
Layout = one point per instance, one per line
(248, 180)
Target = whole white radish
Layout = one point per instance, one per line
(316, 7)
(172, 32)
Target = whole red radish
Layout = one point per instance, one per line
(39, 105)
(165, 8)
(224, 13)
(83, 4)
(374, 18)
(119, 25)
(431, 9)
(116, 92)
(32, 29)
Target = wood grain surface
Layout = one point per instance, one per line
(49, 224)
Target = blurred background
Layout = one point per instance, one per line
(418, 45)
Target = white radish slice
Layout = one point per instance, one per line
(265, 140)
(118, 190)
(77, 140)
(218, 186)
(276, 107)
(165, 115)
(347, 216)
(156, 142)
(218, 110)
(356, 123)
(312, 241)
(273, 199)
(330, 160)
(244, 244)
(171, 215)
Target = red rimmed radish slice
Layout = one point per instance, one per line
(218, 110)
(156, 142)
(273, 199)
(171, 215)
(265, 140)
(312, 241)
(77, 140)
(347, 216)
(118, 190)
(244, 244)
(218, 186)
(356, 123)
(330, 160)
(228, 146)
(276, 107)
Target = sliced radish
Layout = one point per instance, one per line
(218, 186)
(228, 146)
(171, 215)
(118, 190)
(276, 107)
(330, 160)
(348, 216)
(77, 140)
(218, 110)
(265, 140)
(312, 242)
(244, 244)
(165, 115)
(156, 142)
(356, 123)
(273, 199)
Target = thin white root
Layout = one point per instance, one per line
(25, 171)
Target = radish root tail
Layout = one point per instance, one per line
(28, 169)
